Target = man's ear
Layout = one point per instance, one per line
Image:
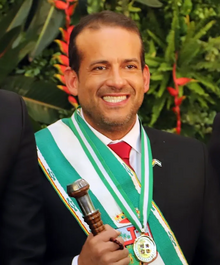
(146, 75)
(71, 79)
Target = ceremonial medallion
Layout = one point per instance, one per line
(145, 249)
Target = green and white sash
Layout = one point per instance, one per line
(69, 150)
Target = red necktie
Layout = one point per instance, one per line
(122, 149)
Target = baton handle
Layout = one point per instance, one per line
(95, 223)
(79, 191)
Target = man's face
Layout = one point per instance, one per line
(111, 84)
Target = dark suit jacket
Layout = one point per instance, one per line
(214, 145)
(185, 190)
(21, 216)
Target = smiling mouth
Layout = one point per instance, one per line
(113, 99)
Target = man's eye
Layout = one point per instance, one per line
(131, 66)
(99, 68)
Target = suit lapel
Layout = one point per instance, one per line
(158, 152)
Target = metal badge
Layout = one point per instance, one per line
(145, 249)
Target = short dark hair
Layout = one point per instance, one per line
(96, 21)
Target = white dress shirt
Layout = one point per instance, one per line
(133, 138)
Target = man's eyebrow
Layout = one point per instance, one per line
(99, 62)
(132, 60)
(107, 62)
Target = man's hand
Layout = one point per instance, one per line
(99, 250)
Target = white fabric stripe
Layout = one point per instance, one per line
(146, 179)
(157, 261)
(111, 183)
(71, 149)
(167, 229)
(60, 188)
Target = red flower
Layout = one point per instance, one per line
(61, 78)
(60, 4)
(178, 101)
(173, 92)
(183, 81)
(65, 35)
(70, 10)
(178, 130)
(64, 88)
(63, 59)
(63, 46)
(73, 101)
(176, 110)
(61, 68)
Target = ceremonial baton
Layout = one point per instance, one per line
(79, 190)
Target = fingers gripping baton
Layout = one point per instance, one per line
(79, 190)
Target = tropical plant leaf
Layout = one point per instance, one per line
(46, 21)
(164, 67)
(210, 66)
(186, 7)
(158, 106)
(151, 3)
(35, 125)
(7, 19)
(8, 62)
(12, 57)
(8, 38)
(153, 88)
(164, 84)
(173, 36)
(151, 62)
(207, 82)
(212, 42)
(190, 33)
(202, 103)
(18, 84)
(170, 50)
(21, 15)
(156, 39)
(204, 30)
(169, 103)
(155, 25)
(41, 91)
(28, 46)
(44, 113)
(152, 49)
(96, 6)
(156, 59)
(157, 76)
(197, 89)
(188, 52)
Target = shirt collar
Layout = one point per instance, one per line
(133, 137)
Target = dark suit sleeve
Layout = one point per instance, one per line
(214, 145)
(21, 223)
(208, 249)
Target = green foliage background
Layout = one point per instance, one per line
(189, 28)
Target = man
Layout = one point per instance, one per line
(21, 216)
(214, 145)
(108, 74)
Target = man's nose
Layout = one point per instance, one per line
(116, 79)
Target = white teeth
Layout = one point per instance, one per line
(114, 99)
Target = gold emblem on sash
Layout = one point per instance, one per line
(145, 249)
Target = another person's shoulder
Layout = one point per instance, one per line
(214, 144)
(8, 95)
(11, 104)
(10, 100)
(216, 124)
